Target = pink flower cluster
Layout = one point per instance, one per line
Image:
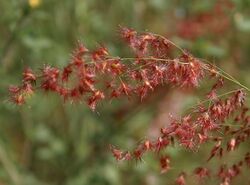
(93, 76)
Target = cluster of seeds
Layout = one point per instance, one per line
(93, 76)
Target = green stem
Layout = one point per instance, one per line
(9, 167)
(228, 78)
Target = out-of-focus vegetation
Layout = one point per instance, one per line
(51, 142)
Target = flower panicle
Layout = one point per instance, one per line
(83, 78)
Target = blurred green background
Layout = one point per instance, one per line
(55, 143)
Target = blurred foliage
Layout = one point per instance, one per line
(51, 142)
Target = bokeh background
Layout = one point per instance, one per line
(49, 142)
